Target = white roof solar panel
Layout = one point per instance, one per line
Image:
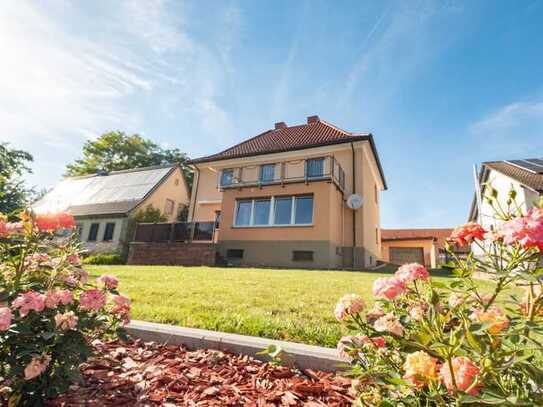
(115, 187)
(534, 165)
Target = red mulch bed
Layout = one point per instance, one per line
(147, 374)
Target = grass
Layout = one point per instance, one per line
(293, 305)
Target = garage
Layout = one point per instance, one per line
(402, 255)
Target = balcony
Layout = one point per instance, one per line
(310, 170)
(176, 232)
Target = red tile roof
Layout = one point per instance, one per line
(316, 133)
(440, 235)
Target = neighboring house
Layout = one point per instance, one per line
(104, 203)
(424, 246)
(279, 199)
(524, 176)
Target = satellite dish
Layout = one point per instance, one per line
(354, 201)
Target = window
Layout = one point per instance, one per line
(303, 210)
(168, 207)
(79, 230)
(267, 173)
(176, 182)
(243, 213)
(93, 232)
(234, 254)
(227, 177)
(280, 211)
(262, 212)
(376, 192)
(108, 232)
(283, 211)
(302, 255)
(314, 168)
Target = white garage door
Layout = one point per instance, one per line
(402, 255)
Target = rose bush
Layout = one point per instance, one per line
(49, 312)
(465, 342)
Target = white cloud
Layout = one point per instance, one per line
(512, 131)
(69, 73)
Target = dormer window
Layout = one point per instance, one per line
(227, 177)
(267, 173)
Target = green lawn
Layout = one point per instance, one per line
(294, 305)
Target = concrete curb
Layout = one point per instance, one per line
(304, 356)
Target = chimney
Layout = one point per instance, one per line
(280, 125)
(313, 119)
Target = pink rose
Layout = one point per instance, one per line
(3, 227)
(92, 300)
(465, 234)
(526, 231)
(465, 374)
(5, 318)
(66, 321)
(122, 307)
(110, 282)
(37, 366)
(15, 228)
(411, 272)
(29, 301)
(388, 288)
(455, 300)
(74, 259)
(56, 297)
(348, 305)
(389, 323)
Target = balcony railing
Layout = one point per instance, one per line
(175, 232)
(318, 169)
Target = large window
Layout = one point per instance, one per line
(227, 177)
(108, 232)
(275, 211)
(315, 168)
(168, 206)
(267, 173)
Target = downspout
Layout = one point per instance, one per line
(354, 211)
(195, 192)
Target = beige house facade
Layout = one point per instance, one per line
(281, 198)
(104, 205)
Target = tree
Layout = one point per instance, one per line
(117, 150)
(149, 215)
(14, 164)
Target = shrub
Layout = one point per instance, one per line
(150, 215)
(430, 344)
(104, 259)
(49, 312)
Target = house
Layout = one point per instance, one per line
(104, 204)
(281, 198)
(523, 176)
(424, 246)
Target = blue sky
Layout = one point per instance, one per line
(440, 84)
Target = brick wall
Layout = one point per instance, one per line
(172, 253)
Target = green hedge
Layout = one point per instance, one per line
(104, 259)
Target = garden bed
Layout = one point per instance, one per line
(147, 374)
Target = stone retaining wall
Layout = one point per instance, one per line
(171, 253)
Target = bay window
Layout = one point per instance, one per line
(275, 211)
